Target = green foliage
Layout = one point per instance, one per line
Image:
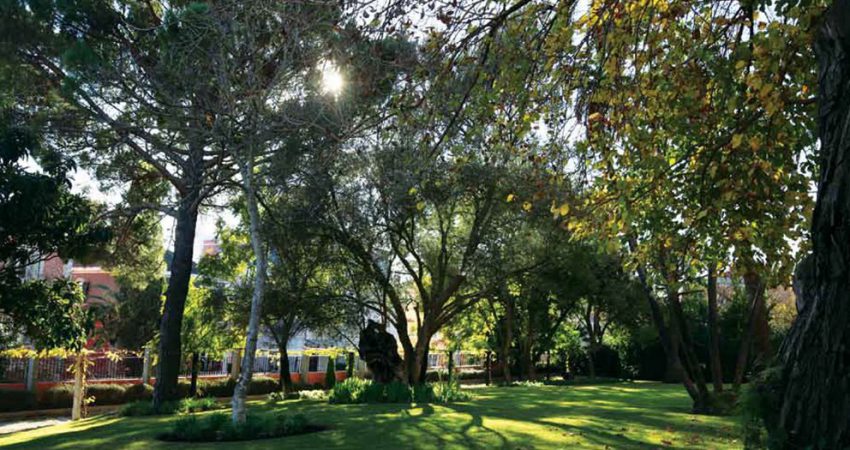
(261, 386)
(330, 374)
(356, 390)
(218, 388)
(107, 394)
(16, 400)
(398, 392)
(184, 406)
(759, 408)
(218, 427)
(138, 392)
(58, 396)
(41, 218)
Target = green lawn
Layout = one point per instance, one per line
(618, 416)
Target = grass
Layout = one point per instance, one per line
(615, 415)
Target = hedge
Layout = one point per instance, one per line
(16, 400)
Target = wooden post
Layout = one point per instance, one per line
(236, 364)
(305, 368)
(30, 380)
(146, 366)
(77, 406)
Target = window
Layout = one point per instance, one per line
(314, 364)
(341, 362)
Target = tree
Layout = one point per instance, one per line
(808, 402)
(41, 219)
(134, 107)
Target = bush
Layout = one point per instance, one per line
(218, 388)
(16, 400)
(59, 396)
(261, 386)
(218, 427)
(350, 390)
(187, 405)
(138, 392)
(106, 394)
(183, 388)
(448, 393)
(145, 408)
(398, 392)
(330, 374)
(355, 390)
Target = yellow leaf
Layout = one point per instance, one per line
(526, 206)
(755, 143)
(420, 206)
(736, 140)
(510, 198)
(564, 209)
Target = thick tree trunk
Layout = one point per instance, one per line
(168, 367)
(814, 388)
(507, 337)
(489, 364)
(757, 334)
(694, 379)
(240, 392)
(591, 363)
(419, 362)
(284, 384)
(193, 384)
(713, 333)
(673, 372)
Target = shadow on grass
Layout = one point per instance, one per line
(621, 415)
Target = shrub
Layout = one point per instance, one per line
(398, 392)
(187, 405)
(275, 397)
(218, 388)
(106, 394)
(262, 385)
(138, 392)
(350, 390)
(59, 396)
(448, 393)
(374, 393)
(218, 427)
(16, 400)
(330, 374)
(184, 387)
(142, 408)
(355, 390)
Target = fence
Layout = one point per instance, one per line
(462, 360)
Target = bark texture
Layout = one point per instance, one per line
(240, 392)
(713, 333)
(813, 387)
(168, 367)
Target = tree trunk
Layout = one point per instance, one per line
(694, 379)
(451, 365)
(168, 367)
(420, 360)
(713, 334)
(507, 337)
(757, 332)
(673, 373)
(240, 392)
(813, 389)
(528, 359)
(489, 363)
(79, 386)
(284, 384)
(591, 364)
(193, 385)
